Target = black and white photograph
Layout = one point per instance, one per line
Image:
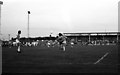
(59, 36)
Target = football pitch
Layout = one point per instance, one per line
(79, 59)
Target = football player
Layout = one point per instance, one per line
(18, 41)
(62, 41)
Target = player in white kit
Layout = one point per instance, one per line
(18, 41)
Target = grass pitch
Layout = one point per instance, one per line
(79, 59)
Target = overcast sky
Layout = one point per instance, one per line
(59, 16)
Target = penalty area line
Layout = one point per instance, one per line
(101, 58)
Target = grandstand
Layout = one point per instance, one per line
(101, 37)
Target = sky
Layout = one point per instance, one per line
(54, 16)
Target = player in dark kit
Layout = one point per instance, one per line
(18, 41)
(62, 41)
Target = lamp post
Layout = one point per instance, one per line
(28, 23)
(0, 20)
(9, 37)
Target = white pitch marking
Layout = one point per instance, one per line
(75, 63)
(101, 58)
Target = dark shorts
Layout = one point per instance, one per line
(18, 44)
(60, 43)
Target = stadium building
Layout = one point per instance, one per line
(95, 37)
